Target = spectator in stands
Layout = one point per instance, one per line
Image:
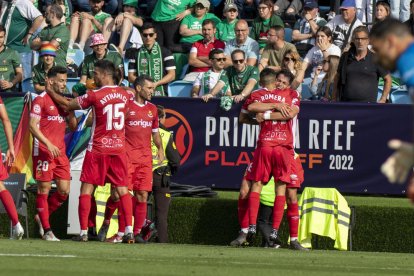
(344, 24)
(273, 53)
(66, 6)
(382, 10)
(55, 33)
(167, 16)
(225, 29)
(358, 74)
(293, 63)
(206, 81)
(400, 9)
(410, 21)
(21, 20)
(126, 24)
(315, 57)
(243, 42)
(100, 52)
(364, 10)
(154, 60)
(287, 9)
(199, 59)
(110, 6)
(324, 89)
(190, 28)
(47, 61)
(241, 77)
(263, 22)
(10, 65)
(83, 24)
(304, 31)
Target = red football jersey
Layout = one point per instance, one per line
(141, 121)
(276, 133)
(109, 106)
(52, 122)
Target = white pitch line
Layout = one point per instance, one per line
(37, 255)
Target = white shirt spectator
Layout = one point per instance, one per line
(339, 29)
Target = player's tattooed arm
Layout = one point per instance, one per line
(65, 103)
(247, 118)
(263, 107)
(72, 121)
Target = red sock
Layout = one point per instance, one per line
(121, 220)
(254, 202)
(140, 214)
(92, 213)
(8, 204)
(84, 210)
(243, 212)
(293, 219)
(43, 210)
(55, 201)
(126, 205)
(110, 208)
(278, 210)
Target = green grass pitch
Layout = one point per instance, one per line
(37, 257)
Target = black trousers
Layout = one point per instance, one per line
(162, 201)
(168, 35)
(264, 222)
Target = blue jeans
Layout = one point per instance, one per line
(400, 9)
(26, 59)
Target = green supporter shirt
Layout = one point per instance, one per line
(193, 23)
(260, 28)
(225, 30)
(166, 10)
(100, 17)
(60, 33)
(9, 61)
(238, 81)
(90, 60)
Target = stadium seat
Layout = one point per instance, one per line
(400, 97)
(75, 55)
(70, 83)
(19, 195)
(126, 62)
(180, 89)
(288, 34)
(27, 85)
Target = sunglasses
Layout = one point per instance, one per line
(289, 59)
(238, 61)
(148, 35)
(220, 59)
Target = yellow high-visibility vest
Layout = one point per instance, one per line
(165, 137)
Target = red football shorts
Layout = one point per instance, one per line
(296, 174)
(3, 171)
(140, 176)
(46, 168)
(271, 161)
(99, 169)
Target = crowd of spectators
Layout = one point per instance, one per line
(227, 43)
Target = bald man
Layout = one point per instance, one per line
(242, 42)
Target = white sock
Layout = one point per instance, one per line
(293, 239)
(17, 225)
(83, 232)
(244, 230)
(120, 234)
(128, 229)
(71, 43)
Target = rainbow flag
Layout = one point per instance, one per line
(23, 143)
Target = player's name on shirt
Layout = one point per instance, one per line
(269, 96)
(112, 96)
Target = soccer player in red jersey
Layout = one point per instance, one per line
(141, 124)
(48, 126)
(105, 159)
(284, 124)
(5, 195)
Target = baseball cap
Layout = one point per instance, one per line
(311, 4)
(229, 7)
(98, 39)
(131, 3)
(48, 49)
(205, 3)
(348, 4)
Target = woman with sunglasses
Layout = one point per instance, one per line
(263, 22)
(324, 89)
(190, 28)
(323, 48)
(292, 62)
